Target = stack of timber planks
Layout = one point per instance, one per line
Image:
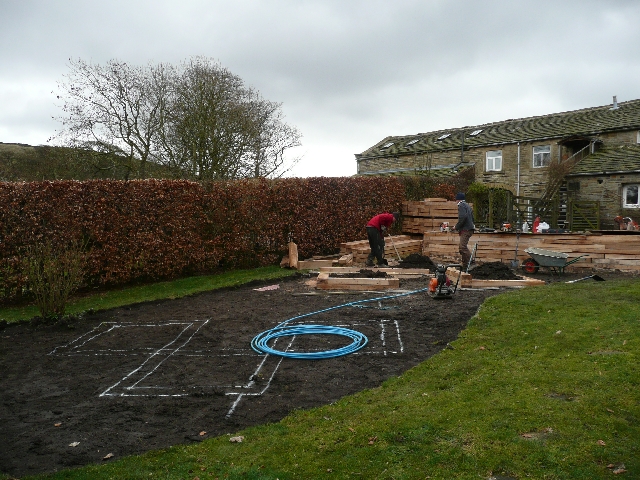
(428, 215)
(467, 280)
(605, 252)
(326, 282)
(405, 244)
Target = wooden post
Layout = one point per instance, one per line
(293, 255)
(490, 208)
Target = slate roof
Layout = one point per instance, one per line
(608, 160)
(586, 122)
(439, 171)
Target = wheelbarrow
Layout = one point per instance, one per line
(555, 261)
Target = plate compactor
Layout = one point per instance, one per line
(440, 286)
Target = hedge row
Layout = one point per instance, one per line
(157, 229)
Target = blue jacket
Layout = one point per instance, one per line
(465, 217)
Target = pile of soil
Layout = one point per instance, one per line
(363, 273)
(147, 376)
(415, 260)
(494, 271)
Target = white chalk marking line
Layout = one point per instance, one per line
(75, 347)
(106, 327)
(152, 356)
(234, 405)
(127, 391)
(170, 354)
(70, 345)
(398, 332)
(240, 395)
(131, 353)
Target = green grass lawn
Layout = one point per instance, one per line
(543, 384)
(156, 291)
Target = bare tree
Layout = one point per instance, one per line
(205, 132)
(116, 105)
(271, 140)
(198, 120)
(218, 128)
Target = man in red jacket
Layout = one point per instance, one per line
(375, 231)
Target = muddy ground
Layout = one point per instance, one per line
(128, 380)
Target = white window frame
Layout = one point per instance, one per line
(634, 187)
(493, 161)
(539, 152)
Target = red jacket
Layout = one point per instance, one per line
(378, 221)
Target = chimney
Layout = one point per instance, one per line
(615, 103)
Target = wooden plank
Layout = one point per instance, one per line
(357, 283)
(362, 281)
(525, 282)
(293, 255)
(314, 264)
(403, 247)
(362, 245)
(346, 259)
(454, 273)
(387, 270)
(340, 269)
(622, 253)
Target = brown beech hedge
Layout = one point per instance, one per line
(157, 229)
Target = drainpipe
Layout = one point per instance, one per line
(518, 182)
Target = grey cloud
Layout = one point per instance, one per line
(347, 72)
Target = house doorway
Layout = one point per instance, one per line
(572, 145)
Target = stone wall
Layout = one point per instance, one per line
(606, 189)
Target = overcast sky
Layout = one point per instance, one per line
(348, 73)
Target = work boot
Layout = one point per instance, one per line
(369, 263)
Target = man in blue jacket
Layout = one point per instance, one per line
(465, 228)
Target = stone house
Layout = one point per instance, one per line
(597, 148)
(610, 176)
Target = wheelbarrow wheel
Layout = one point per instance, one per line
(530, 266)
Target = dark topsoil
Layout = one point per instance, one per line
(133, 379)
(494, 271)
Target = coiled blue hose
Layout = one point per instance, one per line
(260, 341)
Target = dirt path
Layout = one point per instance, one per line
(145, 377)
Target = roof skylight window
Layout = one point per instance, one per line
(387, 145)
(411, 142)
(443, 136)
(475, 132)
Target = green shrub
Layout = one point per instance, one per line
(53, 273)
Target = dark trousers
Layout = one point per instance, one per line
(376, 243)
(465, 235)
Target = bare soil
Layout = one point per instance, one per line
(415, 260)
(152, 375)
(494, 271)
